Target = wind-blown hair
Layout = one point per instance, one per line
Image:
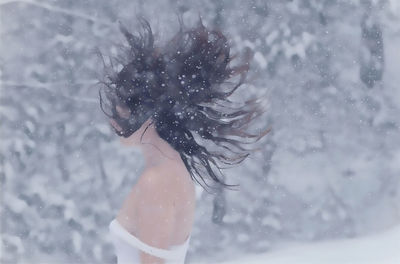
(181, 88)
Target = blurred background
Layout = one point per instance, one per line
(329, 169)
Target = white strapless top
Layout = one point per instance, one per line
(127, 247)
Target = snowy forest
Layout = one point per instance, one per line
(329, 168)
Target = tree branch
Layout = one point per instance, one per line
(59, 10)
(46, 87)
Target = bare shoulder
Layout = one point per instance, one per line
(167, 188)
(153, 190)
(155, 218)
(166, 180)
(154, 178)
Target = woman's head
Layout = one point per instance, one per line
(134, 138)
(182, 88)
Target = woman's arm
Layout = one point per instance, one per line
(155, 215)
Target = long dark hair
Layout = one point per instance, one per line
(182, 88)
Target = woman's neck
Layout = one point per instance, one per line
(157, 152)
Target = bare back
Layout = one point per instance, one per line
(180, 186)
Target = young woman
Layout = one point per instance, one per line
(171, 103)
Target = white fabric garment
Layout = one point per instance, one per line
(127, 247)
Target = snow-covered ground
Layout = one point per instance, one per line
(382, 248)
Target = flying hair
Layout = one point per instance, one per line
(184, 88)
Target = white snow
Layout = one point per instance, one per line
(380, 248)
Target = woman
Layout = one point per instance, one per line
(171, 102)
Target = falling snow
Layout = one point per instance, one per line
(329, 71)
